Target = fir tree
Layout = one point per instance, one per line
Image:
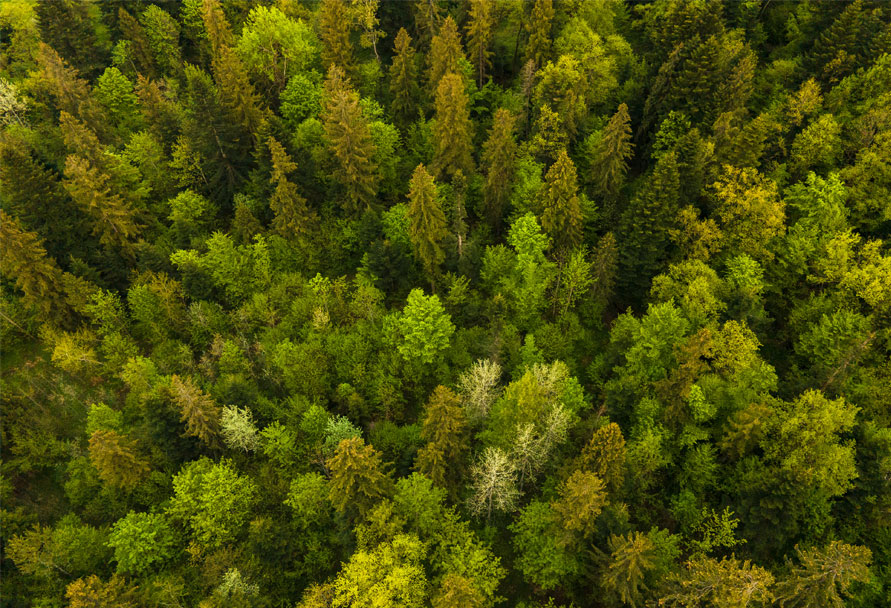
(358, 480)
(562, 211)
(445, 53)
(445, 431)
(350, 139)
(453, 133)
(499, 161)
(427, 222)
(403, 78)
(538, 48)
(293, 219)
(334, 31)
(116, 460)
(611, 160)
(479, 36)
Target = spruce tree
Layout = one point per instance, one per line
(562, 211)
(453, 133)
(403, 78)
(334, 31)
(346, 130)
(445, 53)
(140, 51)
(445, 431)
(427, 221)
(538, 48)
(499, 161)
(293, 219)
(72, 93)
(479, 36)
(24, 261)
(615, 149)
(358, 480)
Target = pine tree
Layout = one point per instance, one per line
(445, 53)
(824, 576)
(538, 48)
(427, 221)
(611, 160)
(479, 36)
(499, 160)
(453, 133)
(350, 139)
(197, 410)
(116, 460)
(445, 431)
(403, 78)
(334, 32)
(358, 480)
(24, 261)
(293, 218)
(562, 212)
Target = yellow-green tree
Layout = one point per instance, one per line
(538, 48)
(445, 431)
(116, 459)
(610, 162)
(453, 132)
(562, 215)
(334, 31)
(499, 162)
(358, 480)
(403, 78)
(445, 53)
(197, 410)
(293, 218)
(427, 221)
(479, 36)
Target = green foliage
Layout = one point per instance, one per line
(142, 542)
(424, 327)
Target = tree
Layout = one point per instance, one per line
(197, 410)
(445, 53)
(631, 557)
(610, 162)
(445, 431)
(728, 583)
(293, 218)
(358, 480)
(481, 20)
(562, 216)
(541, 556)
(116, 459)
(457, 590)
(499, 160)
(403, 78)
(24, 261)
(425, 328)
(478, 388)
(427, 222)
(538, 48)
(390, 574)
(91, 591)
(605, 455)
(238, 430)
(213, 500)
(562, 88)
(494, 484)
(582, 498)
(141, 542)
(750, 212)
(824, 576)
(334, 32)
(346, 130)
(453, 131)
(72, 93)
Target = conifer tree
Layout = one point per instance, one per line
(445, 53)
(582, 498)
(562, 211)
(824, 576)
(140, 51)
(334, 31)
(72, 94)
(113, 218)
(479, 36)
(24, 261)
(358, 480)
(499, 161)
(235, 88)
(445, 431)
(70, 27)
(427, 221)
(197, 410)
(350, 139)
(428, 16)
(403, 78)
(605, 455)
(116, 460)
(293, 218)
(611, 160)
(631, 557)
(453, 133)
(538, 48)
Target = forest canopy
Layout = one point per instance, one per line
(445, 303)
